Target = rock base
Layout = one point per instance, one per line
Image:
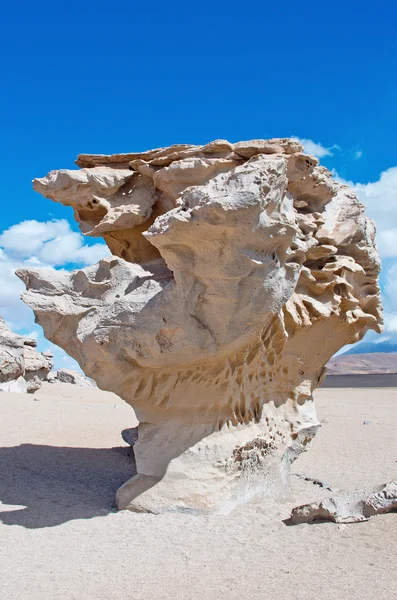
(219, 472)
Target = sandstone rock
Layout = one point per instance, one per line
(69, 376)
(32, 342)
(17, 386)
(52, 377)
(37, 365)
(130, 436)
(238, 270)
(11, 357)
(22, 367)
(349, 507)
(33, 384)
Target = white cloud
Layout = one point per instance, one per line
(12, 309)
(391, 320)
(390, 299)
(46, 244)
(28, 237)
(387, 242)
(315, 149)
(319, 151)
(380, 199)
(49, 243)
(33, 334)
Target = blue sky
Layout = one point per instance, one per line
(84, 77)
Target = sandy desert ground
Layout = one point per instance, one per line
(62, 459)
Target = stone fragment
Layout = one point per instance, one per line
(237, 271)
(349, 507)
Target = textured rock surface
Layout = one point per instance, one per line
(37, 364)
(17, 386)
(33, 384)
(349, 507)
(238, 270)
(11, 357)
(22, 367)
(69, 376)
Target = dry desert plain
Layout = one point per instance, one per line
(62, 459)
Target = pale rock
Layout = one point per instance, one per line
(70, 376)
(22, 367)
(17, 386)
(11, 356)
(33, 384)
(37, 365)
(238, 270)
(277, 145)
(52, 377)
(349, 507)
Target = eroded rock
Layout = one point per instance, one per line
(349, 507)
(33, 384)
(238, 270)
(37, 364)
(22, 367)
(69, 376)
(11, 357)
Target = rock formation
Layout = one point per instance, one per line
(22, 367)
(37, 365)
(238, 270)
(69, 376)
(11, 360)
(349, 507)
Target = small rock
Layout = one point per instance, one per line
(33, 384)
(349, 507)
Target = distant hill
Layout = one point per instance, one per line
(360, 364)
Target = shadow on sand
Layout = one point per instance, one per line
(58, 484)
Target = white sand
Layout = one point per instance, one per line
(62, 459)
